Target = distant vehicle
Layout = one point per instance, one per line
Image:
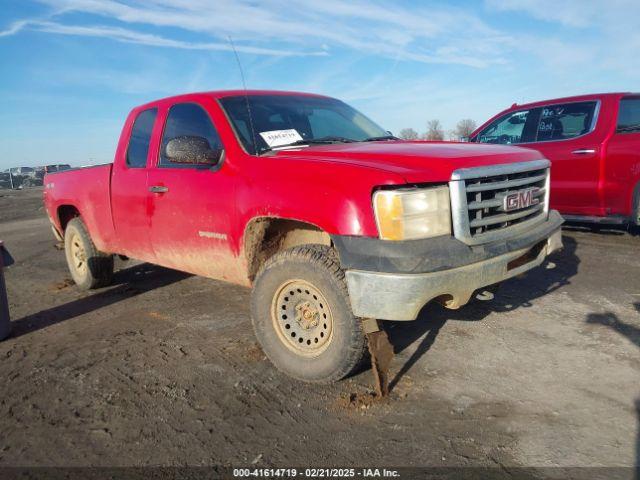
(56, 168)
(5, 180)
(593, 142)
(39, 174)
(16, 176)
(332, 220)
(20, 171)
(25, 177)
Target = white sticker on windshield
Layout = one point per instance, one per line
(277, 138)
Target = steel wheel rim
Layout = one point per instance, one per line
(302, 318)
(78, 255)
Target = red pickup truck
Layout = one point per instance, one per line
(593, 142)
(331, 220)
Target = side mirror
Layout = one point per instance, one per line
(191, 149)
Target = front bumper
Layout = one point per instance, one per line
(401, 296)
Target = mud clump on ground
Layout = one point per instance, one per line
(255, 353)
(67, 282)
(360, 400)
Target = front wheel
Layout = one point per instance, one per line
(89, 267)
(302, 315)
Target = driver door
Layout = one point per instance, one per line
(192, 205)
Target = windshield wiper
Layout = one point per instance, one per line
(381, 138)
(321, 140)
(316, 141)
(629, 128)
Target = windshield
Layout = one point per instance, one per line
(282, 120)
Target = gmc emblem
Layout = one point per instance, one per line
(520, 199)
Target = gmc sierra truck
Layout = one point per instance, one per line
(593, 142)
(330, 219)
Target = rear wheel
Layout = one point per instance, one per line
(89, 267)
(302, 315)
(634, 225)
(636, 206)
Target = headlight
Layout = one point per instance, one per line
(411, 214)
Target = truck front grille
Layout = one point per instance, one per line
(478, 200)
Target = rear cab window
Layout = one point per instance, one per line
(138, 148)
(629, 115)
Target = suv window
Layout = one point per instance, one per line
(140, 138)
(187, 119)
(629, 116)
(509, 128)
(561, 122)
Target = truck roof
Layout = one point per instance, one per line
(575, 98)
(229, 93)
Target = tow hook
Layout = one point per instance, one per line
(382, 355)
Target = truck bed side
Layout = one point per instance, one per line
(85, 192)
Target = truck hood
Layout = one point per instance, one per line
(416, 162)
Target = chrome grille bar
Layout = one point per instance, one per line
(505, 217)
(483, 187)
(477, 196)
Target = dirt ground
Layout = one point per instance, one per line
(162, 369)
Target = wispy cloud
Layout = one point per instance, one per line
(14, 28)
(572, 13)
(130, 36)
(440, 35)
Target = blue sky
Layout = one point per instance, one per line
(72, 69)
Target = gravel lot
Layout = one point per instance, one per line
(162, 369)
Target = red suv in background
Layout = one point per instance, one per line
(593, 142)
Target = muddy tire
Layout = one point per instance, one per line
(302, 315)
(634, 221)
(89, 267)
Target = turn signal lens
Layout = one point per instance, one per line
(412, 214)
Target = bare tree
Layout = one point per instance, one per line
(465, 128)
(408, 134)
(434, 131)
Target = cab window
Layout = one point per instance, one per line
(140, 137)
(510, 128)
(565, 121)
(187, 119)
(629, 116)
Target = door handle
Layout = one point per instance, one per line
(158, 189)
(584, 151)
